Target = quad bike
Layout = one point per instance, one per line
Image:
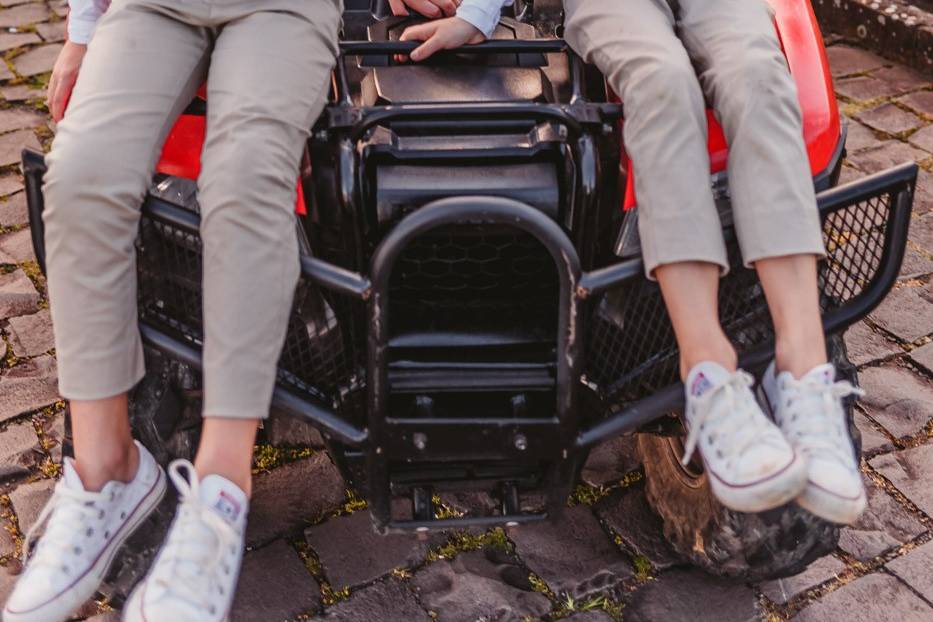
(472, 313)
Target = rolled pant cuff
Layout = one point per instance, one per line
(781, 233)
(101, 387)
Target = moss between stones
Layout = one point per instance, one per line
(267, 457)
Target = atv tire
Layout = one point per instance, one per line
(753, 547)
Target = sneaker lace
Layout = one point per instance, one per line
(816, 428)
(726, 407)
(194, 553)
(68, 512)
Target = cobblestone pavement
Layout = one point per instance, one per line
(312, 553)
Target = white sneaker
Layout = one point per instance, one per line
(810, 413)
(82, 536)
(750, 465)
(195, 574)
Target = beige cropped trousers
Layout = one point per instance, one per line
(666, 64)
(267, 64)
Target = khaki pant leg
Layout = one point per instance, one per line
(634, 44)
(744, 73)
(269, 79)
(141, 69)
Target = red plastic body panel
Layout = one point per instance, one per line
(181, 153)
(803, 46)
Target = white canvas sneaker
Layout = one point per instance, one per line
(195, 574)
(810, 413)
(750, 465)
(81, 538)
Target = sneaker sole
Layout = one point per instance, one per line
(830, 506)
(87, 585)
(766, 494)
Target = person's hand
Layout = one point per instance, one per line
(64, 75)
(428, 8)
(444, 34)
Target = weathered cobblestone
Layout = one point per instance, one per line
(291, 497)
(782, 590)
(629, 515)
(905, 312)
(12, 145)
(610, 461)
(873, 440)
(845, 60)
(869, 599)
(13, 209)
(897, 399)
(693, 595)
(37, 60)
(924, 356)
(923, 139)
(859, 137)
(16, 247)
(9, 41)
(864, 345)
(920, 101)
(886, 155)
(23, 15)
(28, 386)
(573, 555)
(884, 525)
(890, 119)
(32, 334)
(18, 119)
(909, 471)
(387, 600)
(10, 184)
(18, 296)
(19, 450)
(274, 585)
(29, 499)
(372, 555)
(914, 569)
(472, 587)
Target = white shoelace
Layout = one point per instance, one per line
(194, 554)
(732, 413)
(816, 428)
(68, 513)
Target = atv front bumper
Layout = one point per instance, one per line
(865, 228)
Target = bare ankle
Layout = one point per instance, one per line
(107, 464)
(723, 354)
(799, 356)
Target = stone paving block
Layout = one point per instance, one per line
(54, 434)
(29, 499)
(472, 587)
(573, 555)
(28, 387)
(7, 545)
(916, 569)
(274, 586)
(52, 32)
(859, 137)
(292, 496)
(9, 41)
(283, 431)
(896, 398)
(921, 101)
(906, 311)
(845, 60)
(891, 119)
(589, 616)
(782, 590)
(353, 553)
(37, 60)
(387, 600)
(110, 616)
(695, 596)
(902, 79)
(17, 246)
(608, 463)
(629, 515)
(18, 296)
(10, 184)
(883, 525)
(23, 15)
(19, 119)
(19, 450)
(873, 440)
(21, 92)
(886, 155)
(866, 346)
(923, 138)
(13, 210)
(32, 333)
(12, 145)
(7, 581)
(909, 470)
(924, 356)
(863, 88)
(871, 598)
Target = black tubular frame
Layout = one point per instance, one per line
(584, 121)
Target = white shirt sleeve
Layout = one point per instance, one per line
(82, 18)
(484, 14)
